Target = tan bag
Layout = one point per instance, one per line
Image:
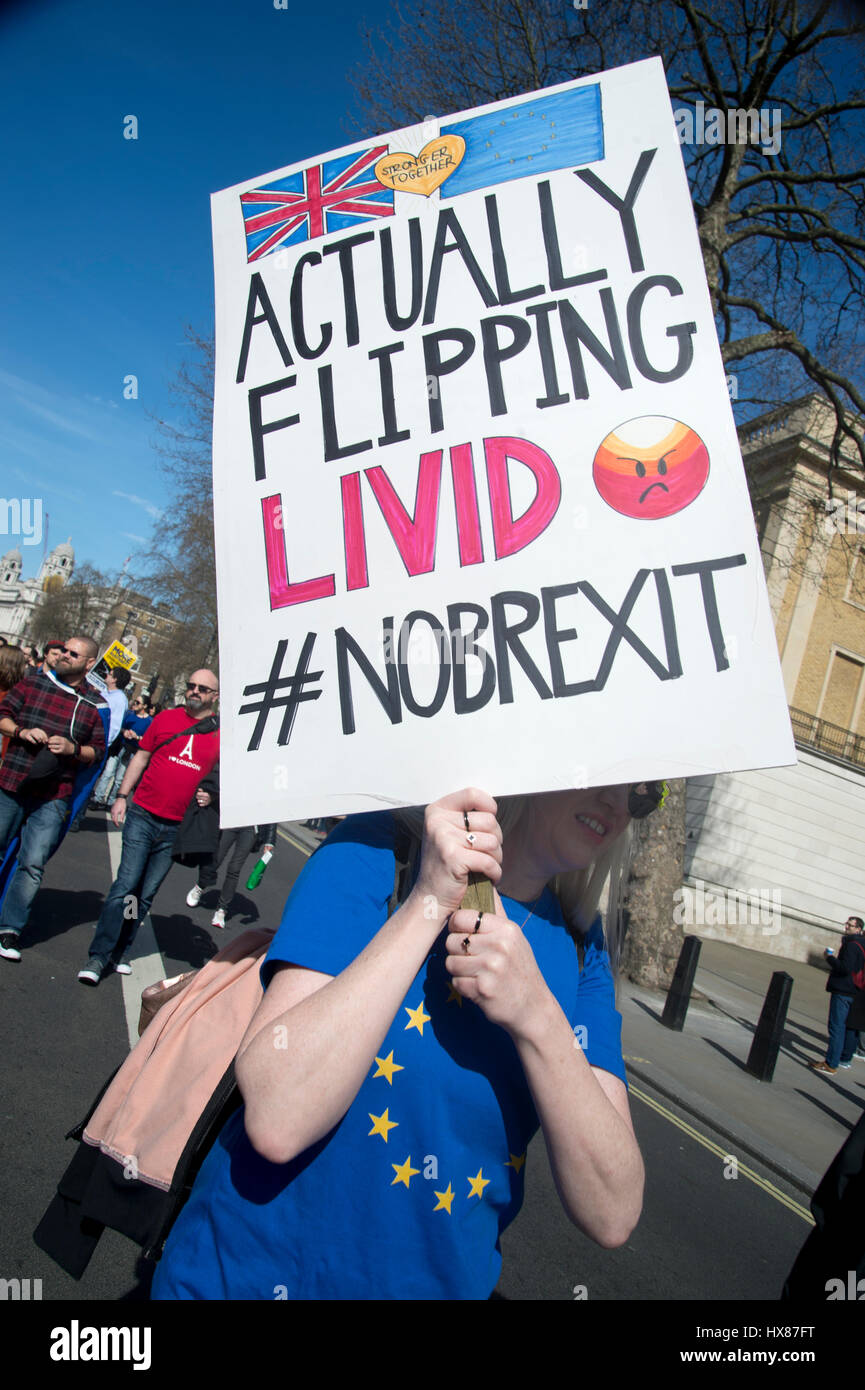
(154, 996)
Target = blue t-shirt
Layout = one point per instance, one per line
(407, 1196)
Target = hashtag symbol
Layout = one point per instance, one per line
(271, 699)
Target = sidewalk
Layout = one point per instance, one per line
(299, 834)
(794, 1124)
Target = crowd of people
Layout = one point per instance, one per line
(70, 743)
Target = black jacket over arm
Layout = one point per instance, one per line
(197, 839)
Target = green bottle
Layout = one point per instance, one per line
(258, 871)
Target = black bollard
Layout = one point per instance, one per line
(679, 993)
(767, 1039)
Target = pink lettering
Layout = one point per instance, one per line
(511, 533)
(415, 537)
(282, 591)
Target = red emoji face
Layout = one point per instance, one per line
(651, 467)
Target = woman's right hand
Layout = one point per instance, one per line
(447, 854)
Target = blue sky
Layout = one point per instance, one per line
(106, 242)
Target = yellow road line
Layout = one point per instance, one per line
(724, 1153)
(292, 841)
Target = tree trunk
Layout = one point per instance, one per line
(653, 940)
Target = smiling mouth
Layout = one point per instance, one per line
(644, 495)
(597, 826)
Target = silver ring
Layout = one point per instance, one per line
(466, 943)
(471, 838)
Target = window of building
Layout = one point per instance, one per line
(842, 691)
(856, 583)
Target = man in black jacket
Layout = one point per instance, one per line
(842, 990)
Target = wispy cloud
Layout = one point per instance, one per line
(63, 412)
(141, 540)
(150, 507)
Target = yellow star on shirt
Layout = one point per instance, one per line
(417, 1019)
(477, 1184)
(404, 1172)
(386, 1068)
(444, 1200)
(453, 997)
(382, 1125)
(516, 1162)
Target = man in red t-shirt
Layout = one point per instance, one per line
(172, 758)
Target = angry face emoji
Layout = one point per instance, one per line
(651, 467)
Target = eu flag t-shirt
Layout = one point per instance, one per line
(408, 1194)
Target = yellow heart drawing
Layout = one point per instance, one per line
(423, 173)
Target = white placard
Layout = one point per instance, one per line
(481, 516)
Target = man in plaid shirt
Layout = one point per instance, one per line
(55, 729)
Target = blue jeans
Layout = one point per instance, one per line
(842, 1040)
(41, 825)
(145, 860)
(103, 788)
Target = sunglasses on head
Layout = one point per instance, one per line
(646, 797)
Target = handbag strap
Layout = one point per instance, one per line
(197, 728)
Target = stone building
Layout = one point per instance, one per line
(775, 859)
(19, 596)
(150, 631)
(117, 612)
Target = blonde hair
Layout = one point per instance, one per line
(578, 892)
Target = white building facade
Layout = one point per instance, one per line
(19, 597)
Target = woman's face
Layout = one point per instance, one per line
(572, 828)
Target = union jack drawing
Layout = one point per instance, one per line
(317, 201)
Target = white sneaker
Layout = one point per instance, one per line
(9, 946)
(92, 972)
(193, 897)
(219, 919)
(122, 967)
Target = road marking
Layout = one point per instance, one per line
(304, 849)
(769, 1187)
(147, 965)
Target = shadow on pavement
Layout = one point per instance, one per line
(59, 910)
(827, 1110)
(653, 1013)
(182, 940)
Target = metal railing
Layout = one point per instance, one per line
(828, 738)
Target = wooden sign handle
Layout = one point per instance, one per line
(479, 894)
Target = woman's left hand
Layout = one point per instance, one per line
(496, 969)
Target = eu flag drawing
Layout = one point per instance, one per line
(533, 137)
(314, 202)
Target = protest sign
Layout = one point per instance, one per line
(116, 655)
(480, 510)
(119, 655)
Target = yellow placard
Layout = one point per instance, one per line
(118, 655)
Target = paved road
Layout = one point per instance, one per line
(703, 1236)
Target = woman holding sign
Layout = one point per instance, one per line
(398, 1066)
